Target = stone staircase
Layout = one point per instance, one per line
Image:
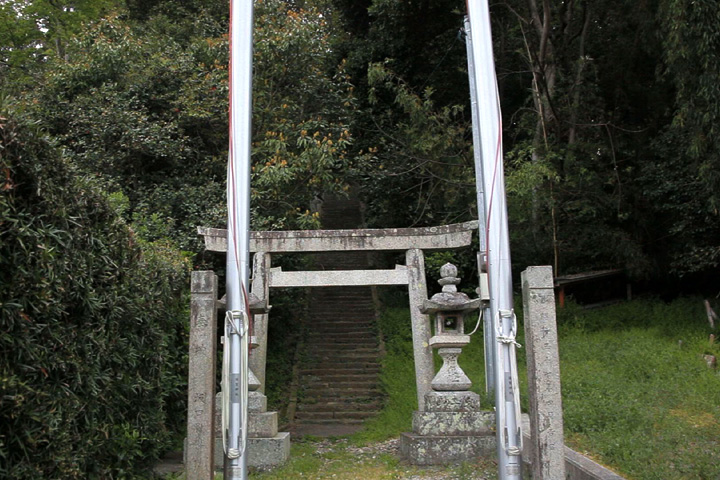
(338, 377)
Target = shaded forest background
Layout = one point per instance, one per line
(611, 110)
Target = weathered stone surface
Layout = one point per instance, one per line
(449, 341)
(427, 238)
(336, 278)
(201, 375)
(450, 377)
(452, 402)
(262, 452)
(417, 288)
(546, 422)
(260, 289)
(253, 382)
(443, 450)
(257, 402)
(262, 425)
(453, 423)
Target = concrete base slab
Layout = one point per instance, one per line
(453, 423)
(443, 450)
(262, 452)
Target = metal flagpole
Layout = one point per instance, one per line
(237, 318)
(507, 401)
(488, 328)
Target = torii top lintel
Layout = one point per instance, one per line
(426, 238)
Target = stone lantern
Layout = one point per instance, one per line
(452, 428)
(450, 308)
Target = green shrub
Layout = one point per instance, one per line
(91, 324)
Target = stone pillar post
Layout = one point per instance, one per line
(261, 289)
(417, 287)
(201, 376)
(543, 364)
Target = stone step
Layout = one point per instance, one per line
(338, 339)
(343, 377)
(357, 334)
(362, 297)
(329, 328)
(359, 300)
(307, 416)
(318, 383)
(353, 346)
(329, 293)
(333, 420)
(340, 406)
(343, 332)
(343, 357)
(347, 310)
(333, 393)
(342, 323)
(329, 345)
(355, 399)
(348, 370)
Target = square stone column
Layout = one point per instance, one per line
(201, 376)
(543, 364)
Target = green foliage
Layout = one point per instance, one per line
(92, 368)
(144, 108)
(685, 181)
(420, 171)
(636, 391)
(34, 31)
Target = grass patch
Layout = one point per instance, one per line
(341, 459)
(637, 397)
(637, 394)
(636, 391)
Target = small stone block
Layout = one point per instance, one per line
(452, 402)
(453, 423)
(262, 424)
(444, 450)
(262, 452)
(449, 341)
(257, 402)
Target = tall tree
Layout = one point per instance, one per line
(146, 108)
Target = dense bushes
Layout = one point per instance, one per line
(91, 327)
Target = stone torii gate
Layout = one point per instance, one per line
(266, 446)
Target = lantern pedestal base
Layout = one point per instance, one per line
(451, 430)
(444, 450)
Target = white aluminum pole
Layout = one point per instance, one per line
(236, 341)
(507, 405)
(488, 328)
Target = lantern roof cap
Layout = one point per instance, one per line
(449, 299)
